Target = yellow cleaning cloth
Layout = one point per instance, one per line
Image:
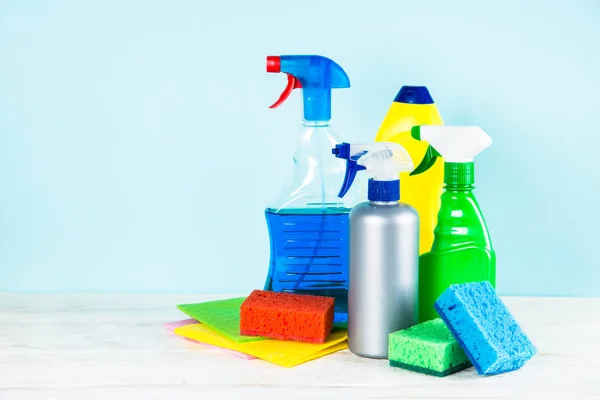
(280, 352)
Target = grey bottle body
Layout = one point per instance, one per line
(384, 275)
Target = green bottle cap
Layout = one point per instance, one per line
(459, 174)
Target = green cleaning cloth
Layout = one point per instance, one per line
(429, 348)
(222, 316)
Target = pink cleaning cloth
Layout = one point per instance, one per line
(171, 326)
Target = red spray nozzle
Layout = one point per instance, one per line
(273, 64)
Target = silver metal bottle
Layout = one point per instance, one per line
(384, 265)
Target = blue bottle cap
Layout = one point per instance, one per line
(384, 190)
(414, 95)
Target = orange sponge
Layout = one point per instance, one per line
(287, 316)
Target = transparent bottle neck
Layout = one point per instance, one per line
(314, 124)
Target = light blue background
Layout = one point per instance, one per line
(137, 151)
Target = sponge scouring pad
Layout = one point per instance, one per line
(287, 316)
(429, 348)
(486, 330)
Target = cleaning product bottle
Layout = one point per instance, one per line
(413, 106)
(384, 249)
(462, 249)
(308, 223)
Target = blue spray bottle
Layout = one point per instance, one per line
(308, 222)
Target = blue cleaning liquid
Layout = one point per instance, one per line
(309, 254)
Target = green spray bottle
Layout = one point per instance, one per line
(462, 249)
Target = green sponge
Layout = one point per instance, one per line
(429, 348)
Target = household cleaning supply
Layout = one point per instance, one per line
(384, 249)
(429, 348)
(287, 316)
(413, 106)
(462, 249)
(171, 326)
(280, 352)
(308, 223)
(222, 316)
(176, 324)
(486, 330)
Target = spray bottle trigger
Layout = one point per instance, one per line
(427, 162)
(430, 156)
(352, 166)
(293, 83)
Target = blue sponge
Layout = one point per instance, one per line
(485, 329)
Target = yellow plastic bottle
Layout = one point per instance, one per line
(413, 106)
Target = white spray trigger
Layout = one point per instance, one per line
(384, 161)
(457, 144)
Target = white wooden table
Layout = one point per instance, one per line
(115, 347)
